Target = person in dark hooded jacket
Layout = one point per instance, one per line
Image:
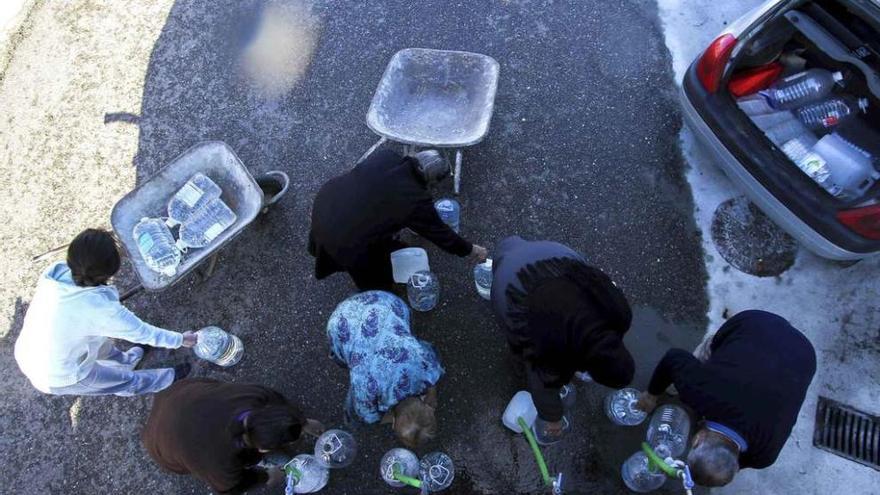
(561, 316)
(357, 215)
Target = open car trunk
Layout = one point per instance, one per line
(830, 155)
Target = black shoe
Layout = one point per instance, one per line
(181, 371)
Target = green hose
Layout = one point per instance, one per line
(658, 462)
(406, 479)
(535, 450)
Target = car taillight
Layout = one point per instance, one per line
(711, 65)
(863, 221)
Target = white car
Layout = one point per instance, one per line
(778, 40)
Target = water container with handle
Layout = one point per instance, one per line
(483, 278)
(669, 430)
(205, 225)
(450, 212)
(335, 449)
(423, 291)
(218, 346)
(639, 475)
(194, 195)
(851, 168)
(305, 475)
(620, 407)
(156, 245)
(407, 261)
(400, 467)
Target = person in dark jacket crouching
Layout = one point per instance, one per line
(356, 216)
(219, 432)
(561, 316)
(747, 389)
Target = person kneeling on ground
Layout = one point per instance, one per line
(356, 216)
(219, 432)
(392, 374)
(747, 390)
(65, 348)
(561, 316)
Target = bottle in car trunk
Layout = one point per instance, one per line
(802, 88)
(831, 112)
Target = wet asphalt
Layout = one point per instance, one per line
(582, 149)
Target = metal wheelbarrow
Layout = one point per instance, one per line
(244, 195)
(434, 99)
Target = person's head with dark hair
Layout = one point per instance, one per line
(93, 258)
(713, 458)
(273, 427)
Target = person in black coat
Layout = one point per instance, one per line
(561, 316)
(356, 216)
(747, 391)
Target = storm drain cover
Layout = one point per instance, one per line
(847, 432)
(750, 241)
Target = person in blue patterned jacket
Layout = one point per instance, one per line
(392, 374)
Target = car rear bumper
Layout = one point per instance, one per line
(758, 194)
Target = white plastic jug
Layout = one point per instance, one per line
(405, 262)
(851, 168)
(520, 406)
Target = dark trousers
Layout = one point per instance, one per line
(375, 272)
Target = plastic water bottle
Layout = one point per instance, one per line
(195, 194)
(218, 346)
(831, 112)
(305, 475)
(483, 278)
(450, 212)
(335, 449)
(620, 406)
(437, 471)
(639, 476)
(205, 225)
(670, 426)
(423, 291)
(156, 245)
(401, 461)
(802, 88)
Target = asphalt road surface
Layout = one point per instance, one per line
(582, 149)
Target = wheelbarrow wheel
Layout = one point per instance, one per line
(274, 185)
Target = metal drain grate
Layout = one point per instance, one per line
(847, 432)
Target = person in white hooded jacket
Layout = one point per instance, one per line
(65, 347)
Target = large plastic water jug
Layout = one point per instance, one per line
(436, 471)
(520, 406)
(670, 426)
(218, 346)
(205, 225)
(851, 168)
(305, 475)
(400, 461)
(195, 194)
(423, 291)
(639, 476)
(335, 449)
(620, 407)
(156, 245)
(540, 425)
(450, 212)
(405, 262)
(483, 279)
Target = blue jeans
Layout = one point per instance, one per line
(113, 374)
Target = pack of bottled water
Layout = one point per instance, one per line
(201, 216)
